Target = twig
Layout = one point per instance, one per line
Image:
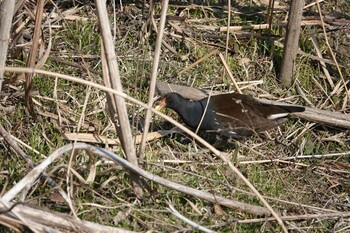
(153, 82)
(312, 4)
(95, 138)
(196, 226)
(297, 157)
(300, 217)
(303, 95)
(229, 73)
(215, 51)
(319, 54)
(259, 26)
(330, 49)
(228, 27)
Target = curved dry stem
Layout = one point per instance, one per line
(8, 138)
(192, 134)
(31, 177)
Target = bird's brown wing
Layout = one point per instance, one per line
(243, 114)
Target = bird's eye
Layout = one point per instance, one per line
(171, 98)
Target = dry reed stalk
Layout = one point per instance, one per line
(152, 86)
(117, 105)
(262, 26)
(44, 220)
(230, 73)
(95, 138)
(291, 43)
(32, 56)
(333, 56)
(215, 51)
(6, 14)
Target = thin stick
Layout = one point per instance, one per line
(153, 82)
(319, 54)
(172, 210)
(32, 56)
(215, 51)
(330, 49)
(300, 217)
(261, 26)
(296, 157)
(228, 27)
(283, 159)
(312, 4)
(230, 73)
(96, 138)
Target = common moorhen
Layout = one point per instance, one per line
(233, 115)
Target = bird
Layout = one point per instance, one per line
(232, 115)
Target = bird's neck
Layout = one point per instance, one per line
(190, 112)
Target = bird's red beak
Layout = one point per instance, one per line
(161, 104)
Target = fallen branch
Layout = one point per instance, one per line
(31, 177)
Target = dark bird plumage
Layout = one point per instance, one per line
(233, 115)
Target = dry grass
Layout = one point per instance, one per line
(310, 191)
